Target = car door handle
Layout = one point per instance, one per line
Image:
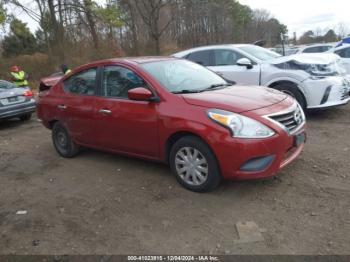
(62, 107)
(105, 111)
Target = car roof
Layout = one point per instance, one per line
(137, 60)
(209, 47)
(125, 60)
(343, 46)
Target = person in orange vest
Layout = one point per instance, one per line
(18, 76)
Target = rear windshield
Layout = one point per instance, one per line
(6, 85)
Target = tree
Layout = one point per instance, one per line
(19, 41)
(342, 30)
(307, 38)
(150, 12)
(110, 16)
(242, 17)
(88, 10)
(330, 36)
(2, 13)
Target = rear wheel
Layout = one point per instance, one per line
(293, 91)
(25, 117)
(63, 142)
(194, 165)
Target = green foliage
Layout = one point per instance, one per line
(330, 36)
(109, 15)
(310, 37)
(2, 14)
(19, 41)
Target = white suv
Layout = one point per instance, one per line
(314, 80)
(344, 52)
(313, 48)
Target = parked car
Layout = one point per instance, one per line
(16, 102)
(175, 111)
(312, 48)
(314, 80)
(344, 52)
(47, 82)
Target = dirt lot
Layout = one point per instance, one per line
(100, 203)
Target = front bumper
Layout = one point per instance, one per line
(17, 109)
(326, 92)
(233, 154)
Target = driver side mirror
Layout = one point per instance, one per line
(245, 62)
(141, 94)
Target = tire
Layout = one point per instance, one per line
(204, 174)
(63, 142)
(25, 117)
(293, 91)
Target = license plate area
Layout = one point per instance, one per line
(12, 100)
(299, 139)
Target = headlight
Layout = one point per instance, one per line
(240, 126)
(317, 71)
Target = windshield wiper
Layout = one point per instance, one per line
(186, 91)
(215, 86)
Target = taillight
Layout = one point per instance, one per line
(28, 93)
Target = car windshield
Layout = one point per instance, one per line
(6, 85)
(179, 76)
(260, 53)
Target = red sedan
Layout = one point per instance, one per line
(175, 111)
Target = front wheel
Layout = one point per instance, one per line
(194, 165)
(293, 91)
(63, 142)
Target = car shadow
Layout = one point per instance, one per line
(328, 113)
(158, 170)
(11, 123)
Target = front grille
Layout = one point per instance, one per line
(290, 119)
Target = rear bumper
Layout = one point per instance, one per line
(17, 110)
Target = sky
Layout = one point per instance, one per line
(299, 15)
(303, 15)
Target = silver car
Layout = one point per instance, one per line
(16, 101)
(316, 81)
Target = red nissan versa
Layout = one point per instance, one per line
(174, 111)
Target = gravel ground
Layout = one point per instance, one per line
(100, 203)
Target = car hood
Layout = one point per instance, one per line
(237, 99)
(316, 58)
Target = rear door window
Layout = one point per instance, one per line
(82, 83)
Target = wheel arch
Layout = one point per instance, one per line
(289, 82)
(52, 122)
(173, 138)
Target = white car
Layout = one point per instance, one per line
(314, 80)
(344, 52)
(312, 48)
